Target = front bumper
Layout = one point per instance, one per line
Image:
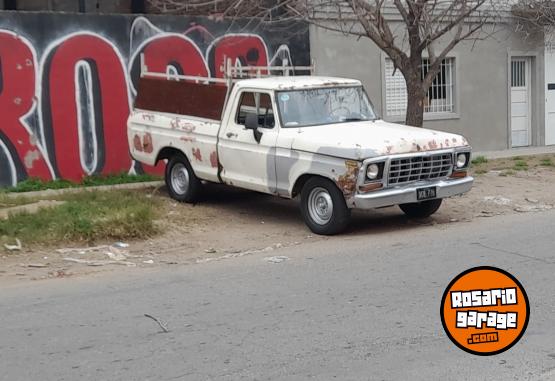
(407, 194)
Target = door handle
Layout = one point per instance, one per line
(231, 135)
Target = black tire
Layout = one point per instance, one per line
(337, 219)
(180, 189)
(421, 209)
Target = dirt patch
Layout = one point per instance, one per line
(230, 223)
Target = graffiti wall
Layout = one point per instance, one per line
(67, 81)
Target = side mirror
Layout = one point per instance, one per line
(251, 123)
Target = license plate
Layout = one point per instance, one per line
(426, 193)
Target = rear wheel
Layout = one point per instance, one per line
(183, 185)
(323, 207)
(421, 209)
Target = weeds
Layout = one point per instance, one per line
(520, 165)
(479, 160)
(547, 162)
(87, 216)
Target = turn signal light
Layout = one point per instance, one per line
(370, 187)
(458, 175)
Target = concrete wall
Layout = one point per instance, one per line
(481, 84)
(67, 81)
(91, 6)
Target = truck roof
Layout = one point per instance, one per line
(295, 82)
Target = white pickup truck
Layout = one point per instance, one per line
(317, 137)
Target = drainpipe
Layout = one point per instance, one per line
(82, 6)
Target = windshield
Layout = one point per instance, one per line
(300, 108)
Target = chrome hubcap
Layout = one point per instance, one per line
(180, 178)
(320, 206)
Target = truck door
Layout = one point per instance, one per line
(246, 162)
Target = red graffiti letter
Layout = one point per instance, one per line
(17, 99)
(241, 49)
(88, 107)
(176, 52)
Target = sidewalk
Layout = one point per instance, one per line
(524, 151)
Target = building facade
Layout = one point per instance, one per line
(493, 91)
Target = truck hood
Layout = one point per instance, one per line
(362, 140)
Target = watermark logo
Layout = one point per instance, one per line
(485, 310)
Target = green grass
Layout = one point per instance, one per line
(121, 178)
(86, 217)
(34, 184)
(481, 171)
(479, 160)
(547, 163)
(520, 165)
(518, 158)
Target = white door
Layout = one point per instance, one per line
(247, 162)
(520, 102)
(550, 94)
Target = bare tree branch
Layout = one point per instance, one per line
(434, 26)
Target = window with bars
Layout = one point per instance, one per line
(440, 97)
(518, 73)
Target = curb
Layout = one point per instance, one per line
(57, 192)
(513, 152)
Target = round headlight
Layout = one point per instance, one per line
(373, 171)
(461, 160)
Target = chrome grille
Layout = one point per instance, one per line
(416, 168)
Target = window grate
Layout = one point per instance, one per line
(440, 97)
(518, 73)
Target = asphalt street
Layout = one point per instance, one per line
(354, 307)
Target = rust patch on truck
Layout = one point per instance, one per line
(137, 143)
(187, 139)
(416, 147)
(147, 143)
(348, 181)
(214, 159)
(196, 154)
(183, 125)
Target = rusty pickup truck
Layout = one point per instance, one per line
(314, 137)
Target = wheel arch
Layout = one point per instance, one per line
(166, 153)
(302, 179)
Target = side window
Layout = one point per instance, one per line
(259, 104)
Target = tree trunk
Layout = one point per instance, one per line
(415, 101)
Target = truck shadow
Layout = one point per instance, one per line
(277, 211)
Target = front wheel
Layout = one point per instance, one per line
(182, 183)
(323, 207)
(421, 209)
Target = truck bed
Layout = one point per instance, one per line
(181, 116)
